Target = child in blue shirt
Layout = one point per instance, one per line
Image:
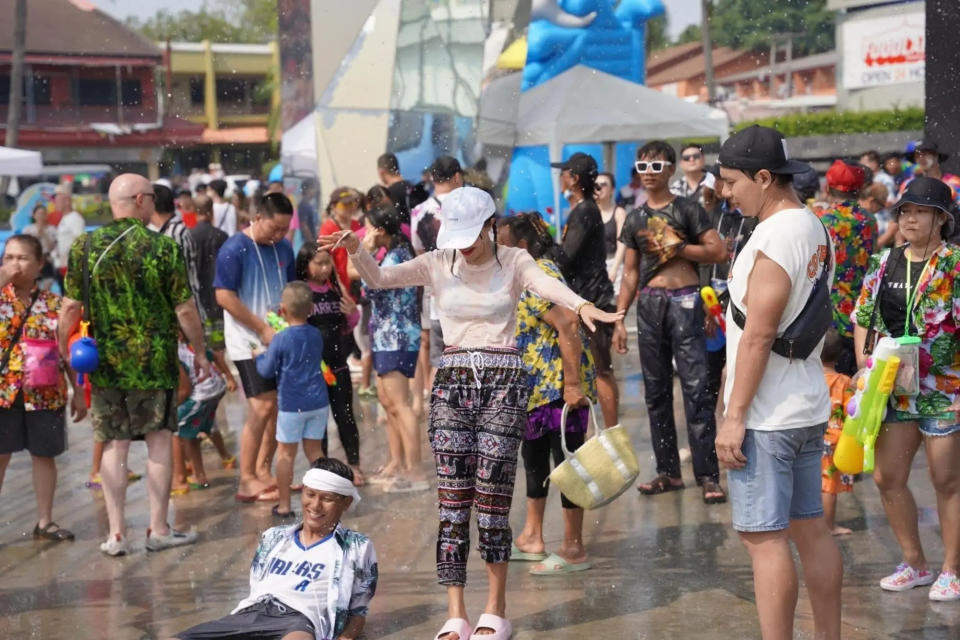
(294, 358)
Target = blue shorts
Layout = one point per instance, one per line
(294, 426)
(933, 427)
(403, 361)
(781, 480)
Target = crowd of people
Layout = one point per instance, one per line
(502, 337)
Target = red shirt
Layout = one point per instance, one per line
(339, 255)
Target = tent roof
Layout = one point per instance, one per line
(298, 147)
(584, 105)
(20, 162)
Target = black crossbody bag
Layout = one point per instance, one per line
(806, 331)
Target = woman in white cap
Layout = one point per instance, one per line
(311, 580)
(479, 398)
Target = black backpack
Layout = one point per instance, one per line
(807, 330)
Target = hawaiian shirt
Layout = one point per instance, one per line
(937, 311)
(352, 585)
(41, 325)
(136, 283)
(394, 315)
(540, 348)
(854, 234)
(949, 179)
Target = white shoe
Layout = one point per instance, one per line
(115, 546)
(173, 539)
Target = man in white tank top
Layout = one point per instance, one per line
(771, 436)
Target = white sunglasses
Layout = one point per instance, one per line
(655, 166)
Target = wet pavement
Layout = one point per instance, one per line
(663, 567)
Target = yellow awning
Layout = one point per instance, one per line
(514, 56)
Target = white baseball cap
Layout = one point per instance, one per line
(709, 181)
(464, 212)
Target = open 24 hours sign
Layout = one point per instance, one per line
(882, 51)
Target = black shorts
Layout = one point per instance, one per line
(253, 383)
(42, 433)
(266, 620)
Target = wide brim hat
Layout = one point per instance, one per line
(926, 145)
(929, 192)
(463, 213)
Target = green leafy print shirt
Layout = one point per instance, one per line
(936, 317)
(137, 278)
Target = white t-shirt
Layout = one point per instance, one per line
(225, 217)
(791, 394)
(71, 227)
(299, 577)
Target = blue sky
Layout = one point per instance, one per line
(680, 13)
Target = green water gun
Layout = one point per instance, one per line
(278, 324)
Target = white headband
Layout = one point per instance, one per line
(322, 480)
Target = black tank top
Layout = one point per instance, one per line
(327, 315)
(610, 234)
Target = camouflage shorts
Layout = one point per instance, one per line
(213, 333)
(130, 414)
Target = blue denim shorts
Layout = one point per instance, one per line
(781, 480)
(294, 426)
(928, 426)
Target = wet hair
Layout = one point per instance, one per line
(333, 466)
(613, 181)
(832, 347)
(274, 204)
(531, 228)
(305, 256)
(218, 185)
(163, 199)
(375, 195)
(385, 216)
(588, 184)
(297, 298)
(31, 241)
(389, 163)
(39, 207)
(657, 149)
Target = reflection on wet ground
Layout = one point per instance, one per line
(664, 567)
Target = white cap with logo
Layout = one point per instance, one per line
(464, 212)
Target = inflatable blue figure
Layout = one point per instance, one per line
(603, 34)
(565, 33)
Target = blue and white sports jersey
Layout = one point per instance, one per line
(257, 273)
(328, 582)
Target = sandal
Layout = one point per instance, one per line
(458, 626)
(718, 497)
(195, 484)
(52, 531)
(282, 514)
(501, 627)
(661, 484)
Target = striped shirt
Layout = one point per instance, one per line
(174, 228)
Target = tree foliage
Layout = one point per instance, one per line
(693, 33)
(223, 21)
(657, 34)
(750, 24)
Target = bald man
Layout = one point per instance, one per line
(137, 296)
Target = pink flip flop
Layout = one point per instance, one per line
(502, 629)
(458, 626)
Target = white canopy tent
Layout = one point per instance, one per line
(299, 146)
(20, 162)
(584, 105)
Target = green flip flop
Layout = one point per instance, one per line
(516, 555)
(554, 565)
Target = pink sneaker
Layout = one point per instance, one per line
(946, 588)
(906, 577)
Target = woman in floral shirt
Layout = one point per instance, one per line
(31, 418)
(915, 290)
(560, 371)
(395, 342)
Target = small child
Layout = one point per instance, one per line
(196, 414)
(841, 390)
(335, 314)
(294, 359)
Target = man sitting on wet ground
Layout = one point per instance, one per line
(311, 580)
